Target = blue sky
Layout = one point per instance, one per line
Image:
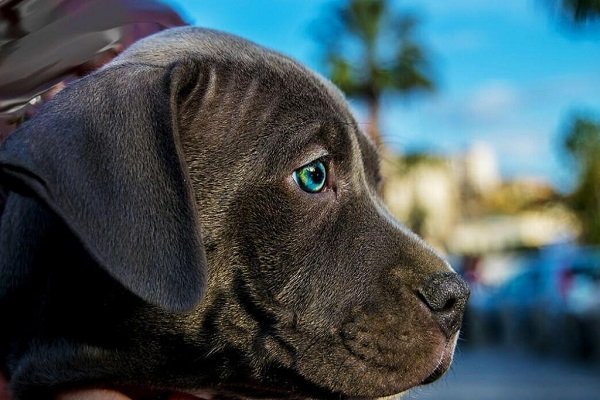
(508, 74)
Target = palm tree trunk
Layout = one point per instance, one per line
(373, 120)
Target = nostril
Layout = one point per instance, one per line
(445, 294)
(449, 304)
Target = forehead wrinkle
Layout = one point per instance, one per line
(248, 113)
(235, 101)
(328, 132)
(297, 138)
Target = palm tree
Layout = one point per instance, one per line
(578, 11)
(582, 142)
(370, 49)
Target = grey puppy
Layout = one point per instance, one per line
(201, 216)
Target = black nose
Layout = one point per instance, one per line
(446, 295)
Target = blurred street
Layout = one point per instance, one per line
(497, 373)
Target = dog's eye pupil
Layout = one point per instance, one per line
(311, 177)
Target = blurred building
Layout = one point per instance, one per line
(422, 191)
(462, 206)
(479, 169)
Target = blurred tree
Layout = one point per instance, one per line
(577, 16)
(370, 49)
(580, 11)
(582, 142)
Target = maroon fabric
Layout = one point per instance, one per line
(4, 395)
(55, 39)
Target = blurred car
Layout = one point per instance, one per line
(498, 311)
(582, 284)
(507, 309)
(581, 319)
(552, 303)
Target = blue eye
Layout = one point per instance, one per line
(312, 177)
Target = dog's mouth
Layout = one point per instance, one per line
(237, 392)
(444, 362)
(250, 390)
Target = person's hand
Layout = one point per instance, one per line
(93, 394)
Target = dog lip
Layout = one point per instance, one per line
(435, 375)
(444, 362)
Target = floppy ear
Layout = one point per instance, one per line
(104, 155)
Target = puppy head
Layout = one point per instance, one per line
(270, 191)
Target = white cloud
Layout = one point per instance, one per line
(492, 100)
(486, 105)
(459, 41)
(446, 8)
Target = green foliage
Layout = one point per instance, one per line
(582, 141)
(364, 18)
(386, 56)
(579, 11)
(370, 49)
(408, 162)
(576, 15)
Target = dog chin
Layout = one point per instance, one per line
(391, 387)
(256, 391)
(443, 359)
